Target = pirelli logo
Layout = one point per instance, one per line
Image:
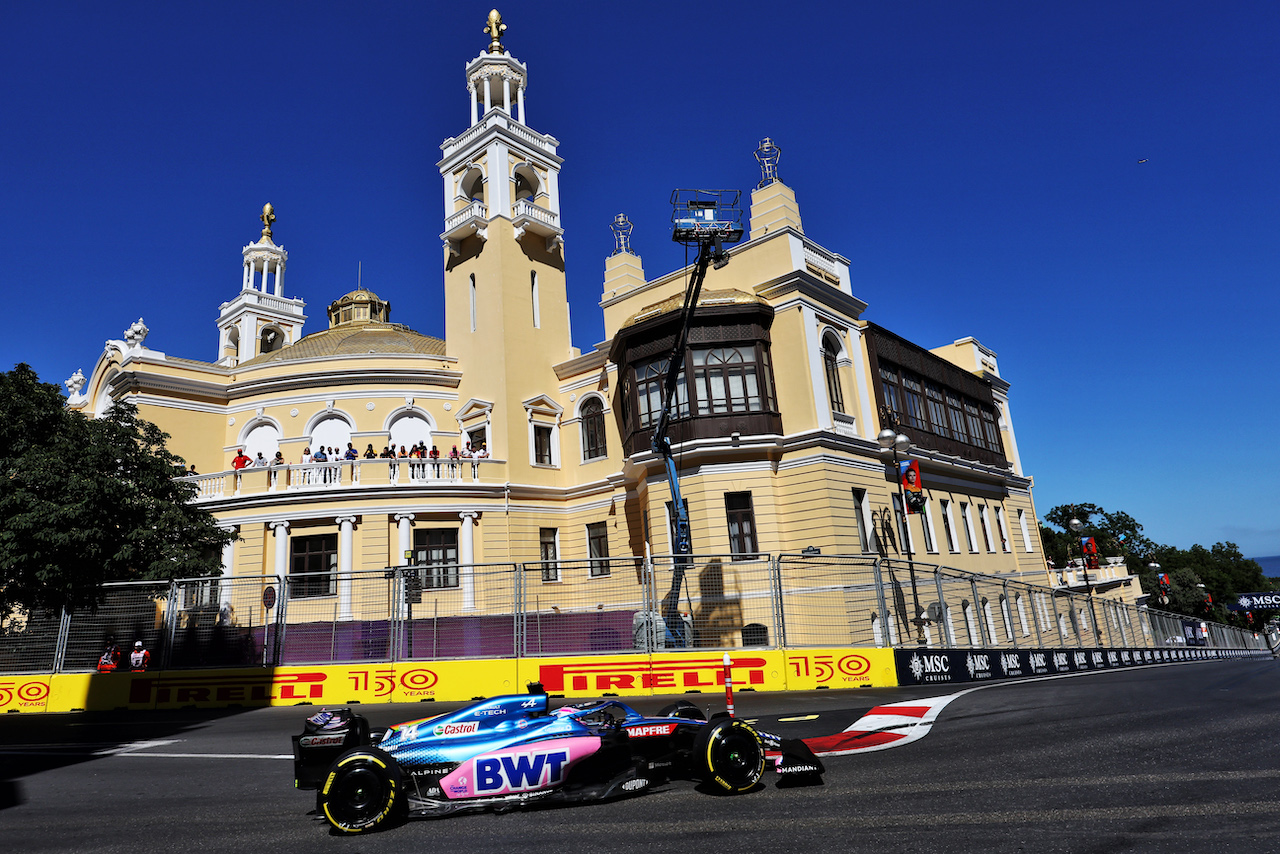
(675, 673)
(232, 688)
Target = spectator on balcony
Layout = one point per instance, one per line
(387, 453)
(470, 456)
(369, 453)
(260, 461)
(352, 453)
(454, 460)
(277, 460)
(435, 461)
(191, 472)
(306, 455)
(241, 460)
(403, 452)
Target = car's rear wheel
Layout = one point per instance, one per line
(362, 791)
(731, 755)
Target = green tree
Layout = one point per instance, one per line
(1223, 570)
(83, 501)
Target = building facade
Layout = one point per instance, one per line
(787, 386)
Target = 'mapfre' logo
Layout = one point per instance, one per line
(650, 730)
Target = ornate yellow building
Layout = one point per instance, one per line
(776, 437)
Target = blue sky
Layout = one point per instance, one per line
(1091, 189)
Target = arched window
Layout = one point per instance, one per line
(725, 381)
(593, 437)
(333, 431)
(409, 429)
(262, 437)
(533, 295)
(831, 352)
(472, 186)
(526, 183)
(271, 340)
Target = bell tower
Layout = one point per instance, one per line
(261, 319)
(506, 309)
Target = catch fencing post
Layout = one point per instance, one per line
(880, 602)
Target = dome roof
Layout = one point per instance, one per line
(352, 339)
(706, 299)
(359, 306)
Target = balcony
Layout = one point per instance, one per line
(473, 219)
(344, 475)
(528, 218)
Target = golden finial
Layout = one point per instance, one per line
(495, 29)
(268, 217)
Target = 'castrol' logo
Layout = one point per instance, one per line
(462, 728)
(322, 740)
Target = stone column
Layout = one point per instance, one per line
(471, 90)
(281, 532)
(404, 522)
(228, 572)
(520, 103)
(467, 559)
(345, 524)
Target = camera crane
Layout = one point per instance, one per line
(707, 220)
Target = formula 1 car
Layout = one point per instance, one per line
(513, 752)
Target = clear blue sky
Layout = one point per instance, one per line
(1089, 188)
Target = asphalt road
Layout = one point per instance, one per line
(1175, 758)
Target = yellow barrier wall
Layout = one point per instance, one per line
(411, 682)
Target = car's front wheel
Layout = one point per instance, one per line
(362, 791)
(730, 754)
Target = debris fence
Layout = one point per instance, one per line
(599, 605)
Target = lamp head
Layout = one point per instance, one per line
(886, 438)
(1075, 525)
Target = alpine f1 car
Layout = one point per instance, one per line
(513, 752)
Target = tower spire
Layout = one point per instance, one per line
(494, 29)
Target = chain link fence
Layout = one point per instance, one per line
(598, 605)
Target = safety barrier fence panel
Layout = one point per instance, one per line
(569, 607)
(459, 611)
(834, 601)
(127, 613)
(598, 605)
(220, 622)
(711, 602)
(31, 639)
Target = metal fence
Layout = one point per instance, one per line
(599, 605)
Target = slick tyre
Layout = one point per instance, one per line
(730, 755)
(362, 791)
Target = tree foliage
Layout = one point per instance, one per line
(83, 501)
(1222, 569)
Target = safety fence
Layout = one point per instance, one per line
(599, 605)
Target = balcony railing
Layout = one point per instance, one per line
(344, 474)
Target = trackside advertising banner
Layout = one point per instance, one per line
(938, 666)
(584, 676)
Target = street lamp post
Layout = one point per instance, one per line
(1076, 526)
(890, 439)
